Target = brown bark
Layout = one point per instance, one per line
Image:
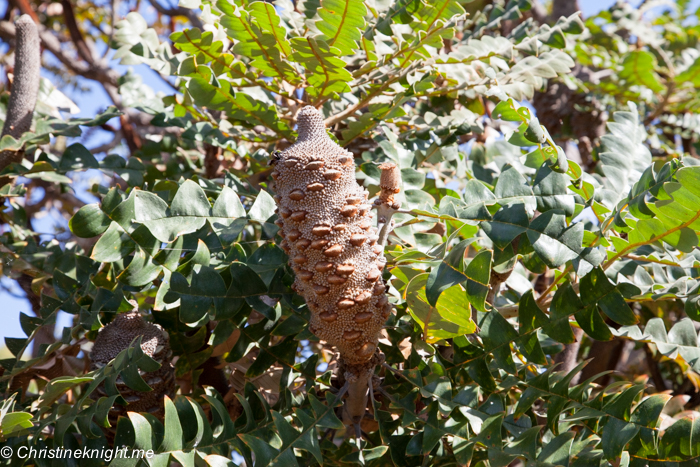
(211, 160)
(605, 356)
(75, 34)
(654, 371)
(564, 8)
(25, 86)
(569, 357)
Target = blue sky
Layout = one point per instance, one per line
(91, 102)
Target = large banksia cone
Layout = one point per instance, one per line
(326, 224)
(155, 343)
(332, 246)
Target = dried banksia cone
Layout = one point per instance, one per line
(326, 222)
(155, 343)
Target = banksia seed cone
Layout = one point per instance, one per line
(332, 246)
(155, 343)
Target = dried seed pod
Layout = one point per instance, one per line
(348, 211)
(321, 230)
(363, 298)
(303, 244)
(285, 213)
(305, 275)
(332, 175)
(328, 316)
(378, 288)
(333, 240)
(352, 335)
(323, 266)
(336, 280)
(367, 350)
(335, 250)
(300, 259)
(318, 244)
(314, 165)
(297, 195)
(373, 275)
(357, 239)
(363, 317)
(345, 269)
(298, 216)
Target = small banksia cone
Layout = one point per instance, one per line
(155, 343)
(326, 222)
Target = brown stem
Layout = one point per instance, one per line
(654, 370)
(564, 8)
(75, 34)
(569, 357)
(605, 356)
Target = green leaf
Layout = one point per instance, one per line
(478, 273)
(267, 48)
(624, 157)
(263, 208)
(553, 241)
(58, 386)
(509, 222)
(15, 421)
(188, 212)
(638, 68)
(596, 289)
(550, 189)
(198, 297)
(325, 72)
(172, 440)
(447, 274)
(512, 187)
(89, 221)
(436, 326)
(113, 245)
(77, 156)
(342, 23)
(228, 216)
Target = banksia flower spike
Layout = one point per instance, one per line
(325, 220)
(155, 343)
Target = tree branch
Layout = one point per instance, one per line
(25, 86)
(179, 11)
(75, 34)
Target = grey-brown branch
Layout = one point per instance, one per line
(25, 86)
